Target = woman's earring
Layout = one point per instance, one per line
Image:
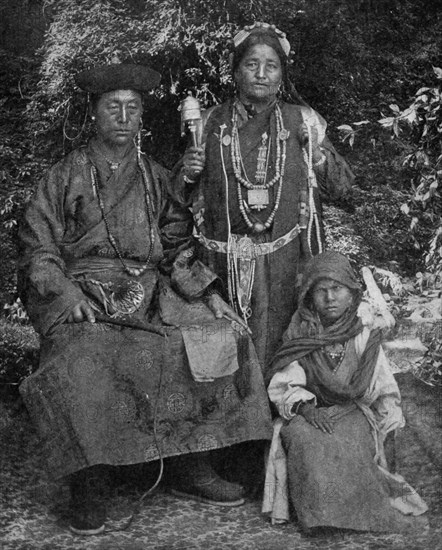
(93, 117)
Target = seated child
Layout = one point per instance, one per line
(337, 400)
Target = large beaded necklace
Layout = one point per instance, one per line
(258, 193)
(133, 272)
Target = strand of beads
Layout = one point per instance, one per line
(113, 165)
(150, 216)
(133, 272)
(237, 161)
(281, 148)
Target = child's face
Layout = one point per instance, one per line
(331, 300)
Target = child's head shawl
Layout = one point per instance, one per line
(308, 347)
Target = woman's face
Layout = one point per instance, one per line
(259, 74)
(331, 300)
(118, 116)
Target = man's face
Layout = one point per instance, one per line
(118, 116)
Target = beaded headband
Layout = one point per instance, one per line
(244, 33)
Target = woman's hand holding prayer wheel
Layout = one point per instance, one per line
(194, 160)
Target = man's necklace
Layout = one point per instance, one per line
(134, 272)
(113, 165)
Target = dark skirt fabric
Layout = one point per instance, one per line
(333, 478)
(111, 395)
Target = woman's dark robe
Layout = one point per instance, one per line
(274, 294)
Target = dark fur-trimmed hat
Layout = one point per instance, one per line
(118, 76)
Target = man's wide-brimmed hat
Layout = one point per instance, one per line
(118, 76)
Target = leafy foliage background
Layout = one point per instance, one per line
(352, 60)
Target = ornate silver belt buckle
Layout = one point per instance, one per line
(245, 248)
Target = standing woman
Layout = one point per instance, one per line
(256, 185)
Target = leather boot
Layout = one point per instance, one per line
(193, 477)
(88, 512)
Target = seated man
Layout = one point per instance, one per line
(114, 386)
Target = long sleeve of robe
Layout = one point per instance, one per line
(157, 375)
(63, 223)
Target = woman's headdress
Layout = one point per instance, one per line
(262, 28)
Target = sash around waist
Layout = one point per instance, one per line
(246, 247)
(97, 264)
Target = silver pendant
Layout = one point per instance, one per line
(259, 227)
(227, 140)
(258, 199)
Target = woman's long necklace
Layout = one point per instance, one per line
(258, 194)
(133, 272)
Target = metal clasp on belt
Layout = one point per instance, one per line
(246, 249)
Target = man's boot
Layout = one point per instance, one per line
(192, 476)
(88, 511)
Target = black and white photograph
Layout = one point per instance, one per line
(220, 275)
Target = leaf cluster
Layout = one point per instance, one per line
(424, 120)
(429, 368)
(18, 353)
(417, 129)
(20, 162)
